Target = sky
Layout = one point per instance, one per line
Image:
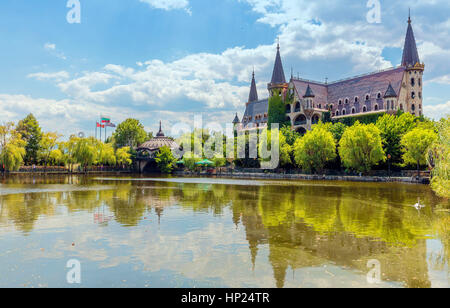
(168, 60)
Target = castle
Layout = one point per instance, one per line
(384, 91)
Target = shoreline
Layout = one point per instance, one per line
(308, 177)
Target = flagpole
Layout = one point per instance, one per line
(96, 124)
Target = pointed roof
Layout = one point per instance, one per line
(390, 92)
(236, 119)
(309, 92)
(253, 96)
(160, 133)
(410, 54)
(278, 76)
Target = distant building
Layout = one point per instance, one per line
(146, 152)
(386, 91)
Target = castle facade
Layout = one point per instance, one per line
(384, 91)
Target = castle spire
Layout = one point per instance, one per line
(410, 53)
(160, 133)
(278, 76)
(253, 96)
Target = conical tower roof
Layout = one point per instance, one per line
(253, 96)
(309, 92)
(410, 54)
(278, 76)
(236, 119)
(160, 133)
(390, 92)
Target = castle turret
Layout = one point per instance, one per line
(412, 100)
(278, 83)
(309, 98)
(253, 96)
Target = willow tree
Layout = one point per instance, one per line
(12, 147)
(315, 149)
(361, 148)
(123, 157)
(416, 145)
(440, 157)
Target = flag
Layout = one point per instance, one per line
(105, 119)
(98, 124)
(110, 124)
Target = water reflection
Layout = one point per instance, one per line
(184, 226)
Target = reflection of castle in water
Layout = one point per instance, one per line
(300, 226)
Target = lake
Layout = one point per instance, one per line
(208, 232)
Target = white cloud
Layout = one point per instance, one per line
(58, 76)
(51, 48)
(437, 112)
(169, 4)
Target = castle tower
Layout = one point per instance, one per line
(253, 96)
(412, 83)
(278, 83)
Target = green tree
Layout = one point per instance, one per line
(56, 157)
(49, 142)
(12, 147)
(130, 133)
(106, 155)
(165, 160)
(440, 157)
(277, 110)
(290, 135)
(31, 133)
(416, 145)
(361, 148)
(85, 152)
(315, 149)
(392, 129)
(68, 150)
(337, 129)
(123, 156)
(285, 151)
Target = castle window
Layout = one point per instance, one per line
(420, 106)
(346, 100)
(401, 107)
(413, 82)
(413, 107)
(420, 94)
(353, 111)
(379, 96)
(337, 112)
(388, 103)
(364, 109)
(356, 99)
(340, 102)
(420, 82)
(297, 107)
(343, 112)
(376, 108)
(288, 108)
(413, 95)
(367, 97)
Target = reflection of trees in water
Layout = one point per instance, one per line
(346, 224)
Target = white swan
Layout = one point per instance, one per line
(418, 206)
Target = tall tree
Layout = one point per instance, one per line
(416, 145)
(315, 149)
(360, 147)
(123, 156)
(130, 133)
(440, 151)
(277, 110)
(48, 143)
(165, 160)
(32, 134)
(12, 147)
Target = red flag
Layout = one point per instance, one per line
(98, 124)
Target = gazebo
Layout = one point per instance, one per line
(146, 152)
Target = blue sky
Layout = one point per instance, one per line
(166, 60)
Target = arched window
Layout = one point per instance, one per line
(413, 82)
(376, 108)
(337, 113)
(340, 102)
(343, 111)
(379, 95)
(346, 100)
(413, 95)
(388, 104)
(364, 109)
(356, 99)
(320, 106)
(420, 94)
(420, 82)
(353, 110)
(297, 107)
(315, 119)
(367, 97)
(413, 107)
(301, 120)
